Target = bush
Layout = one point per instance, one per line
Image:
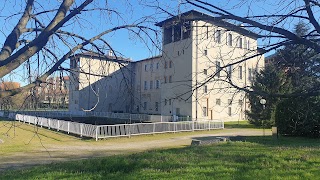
(299, 117)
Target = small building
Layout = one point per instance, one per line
(52, 94)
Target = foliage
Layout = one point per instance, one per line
(299, 62)
(270, 81)
(299, 116)
(257, 158)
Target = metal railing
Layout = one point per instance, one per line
(118, 130)
(128, 116)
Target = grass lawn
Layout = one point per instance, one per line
(257, 158)
(238, 124)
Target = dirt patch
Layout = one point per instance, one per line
(1, 141)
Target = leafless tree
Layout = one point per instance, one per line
(275, 29)
(46, 34)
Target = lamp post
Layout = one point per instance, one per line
(263, 103)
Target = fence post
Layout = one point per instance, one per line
(130, 130)
(97, 129)
(58, 125)
(81, 130)
(68, 127)
(192, 125)
(222, 124)
(154, 128)
(209, 124)
(49, 126)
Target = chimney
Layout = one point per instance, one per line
(110, 53)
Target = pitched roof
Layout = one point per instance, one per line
(101, 57)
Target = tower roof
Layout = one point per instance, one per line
(194, 15)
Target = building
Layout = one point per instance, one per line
(190, 78)
(7, 85)
(54, 93)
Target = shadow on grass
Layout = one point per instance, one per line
(239, 124)
(268, 140)
(252, 158)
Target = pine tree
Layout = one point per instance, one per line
(269, 81)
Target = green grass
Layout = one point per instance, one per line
(238, 124)
(256, 158)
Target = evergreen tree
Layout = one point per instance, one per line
(269, 81)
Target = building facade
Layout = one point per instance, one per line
(196, 76)
(54, 93)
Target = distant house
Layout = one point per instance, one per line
(5, 86)
(54, 93)
(189, 78)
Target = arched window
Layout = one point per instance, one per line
(230, 39)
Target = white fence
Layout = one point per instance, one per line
(106, 131)
(118, 130)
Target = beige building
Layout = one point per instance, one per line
(54, 93)
(194, 77)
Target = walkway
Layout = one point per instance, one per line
(87, 149)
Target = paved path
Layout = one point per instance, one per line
(89, 149)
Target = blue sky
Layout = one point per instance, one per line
(130, 12)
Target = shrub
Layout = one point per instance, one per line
(299, 116)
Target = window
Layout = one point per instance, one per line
(248, 44)
(229, 111)
(205, 52)
(177, 32)
(250, 74)
(145, 67)
(158, 84)
(218, 69)
(229, 102)
(170, 64)
(182, 51)
(218, 101)
(204, 111)
(170, 79)
(229, 71)
(240, 102)
(151, 67)
(167, 35)
(75, 63)
(169, 101)
(165, 79)
(151, 84)
(145, 85)
(207, 33)
(75, 101)
(240, 72)
(229, 39)
(245, 42)
(165, 101)
(178, 53)
(186, 30)
(205, 72)
(205, 89)
(145, 106)
(218, 36)
(157, 65)
(156, 106)
(165, 64)
(240, 42)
